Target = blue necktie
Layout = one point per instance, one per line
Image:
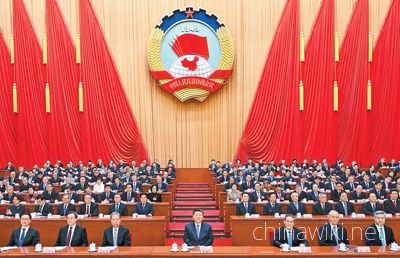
(382, 236)
(297, 206)
(335, 233)
(345, 208)
(21, 240)
(289, 232)
(198, 231)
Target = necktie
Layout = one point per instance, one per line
(41, 209)
(297, 206)
(107, 195)
(323, 206)
(134, 187)
(373, 206)
(65, 210)
(115, 236)
(159, 186)
(22, 238)
(395, 203)
(382, 236)
(143, 206)
(129, 196)
(335, 233)
(69, 235)
(248, 184)
(198, 230)
(289, 232)
(272, 205)
(345, 208)
(245, 206)
(117, 207)
(88, 209)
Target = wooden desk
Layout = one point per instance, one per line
(160, 208)
(260, 231)
(218, 252)
(230, 210)
(144, 232)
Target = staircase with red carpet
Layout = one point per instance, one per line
(190, 196)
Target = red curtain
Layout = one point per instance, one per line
(29, 76)
(8, 135)
(272, 127)
(385, 74)
(110, 128)
(352, 77)
(318, 77)
(63, 76)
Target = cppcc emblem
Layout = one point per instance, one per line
(190, 54)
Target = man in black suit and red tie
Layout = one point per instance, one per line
(116, 235)
(332, 234)
(378, 234)
(25, 235)
(392, 205)
(72, 234)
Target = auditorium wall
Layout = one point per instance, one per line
(190, 133)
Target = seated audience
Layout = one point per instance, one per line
(272, 206)
(144, 207)
(294, 207)
(358, 194)
(154, 196)
(344, 206)
(88, 208)
(42, 208)
(118, 206)
(65, 207)
(369, 208)
(233, 194)
(322, 207)
(16, 208)
(392, 205)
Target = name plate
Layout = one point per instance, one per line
(307, 216)
(49, 250)
(363, 249)
(360, 216)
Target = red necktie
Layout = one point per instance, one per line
(395, 203)
(248, 184)
(69, 236)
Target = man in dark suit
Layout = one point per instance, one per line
(358, 194)
(116, 235)
(198, 232)
(129, 195)
(144, 207)
(65, 207)
(366, 183)
(42, 208)
(258, 195)
(335, 194)
(107, 196)
(370, 207)
(50, 194)
(73, 197)
(332, 234)
(72, 234)
(161, 187)
(248, 185)
(25, 235)
(88, 208)
(9, 196)
(378, 191)
(118, 206)
(288, 234)
(245, 206)
(392, 205)
(344, 206)
(314, 194)
(272, 206)
(322, 207)
(378, 234)
(351, 185)
(295, 206)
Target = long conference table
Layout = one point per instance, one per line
(144, 231)
(260, 231)
(218, 252)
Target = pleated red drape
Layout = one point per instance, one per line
(29, 75)
(63, 75)
(8, 135)
(272, 127)
(352, 76)
(385, 75)
(110, 128)
(318, 77)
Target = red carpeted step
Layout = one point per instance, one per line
(180, 226)
(193, 185)
(176, 213)
(193, 189)
(194, 203)
(184, 199)
(182, 195)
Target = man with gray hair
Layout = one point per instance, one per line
(378, 234)
(116, 235)
(332, 234)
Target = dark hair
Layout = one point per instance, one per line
(73, 212)
(198, 210)
(27, 214)
(394, 190)
(289, 216)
